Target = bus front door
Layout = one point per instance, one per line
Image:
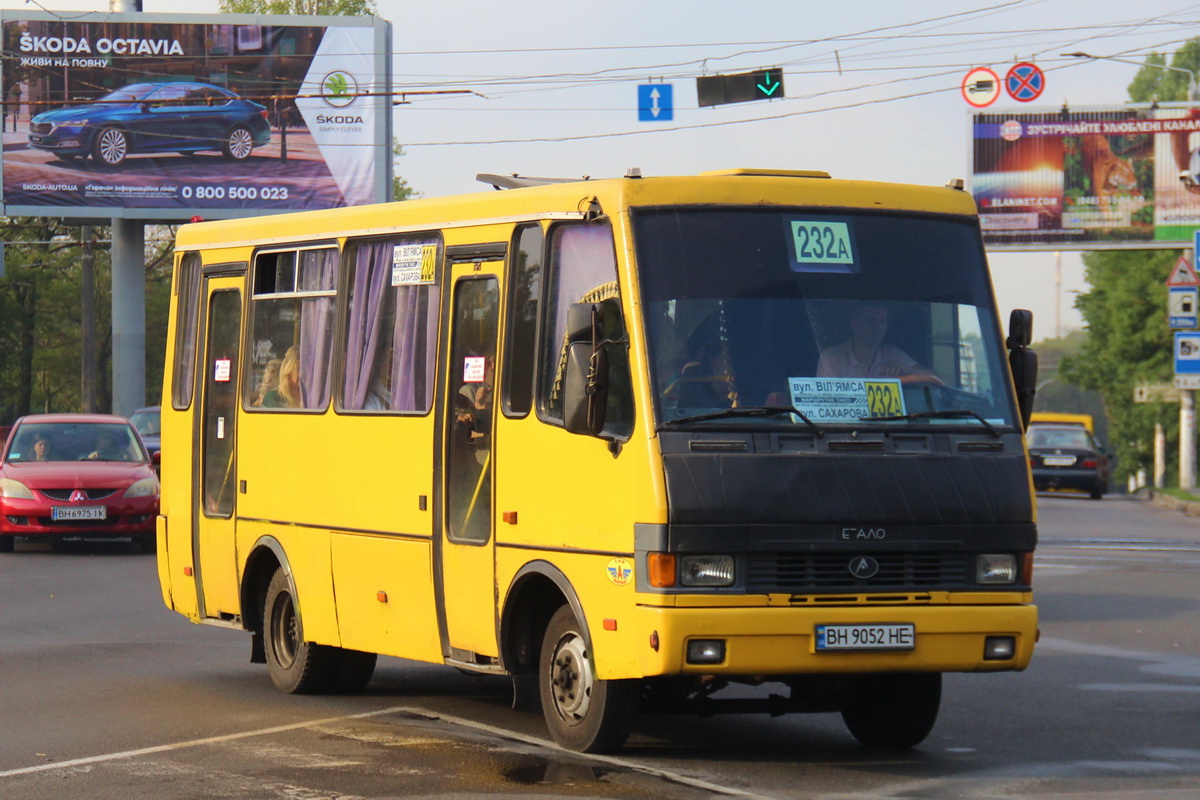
(216, 426)
(467, 560)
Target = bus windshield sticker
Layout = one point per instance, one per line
(413, 264)
(846, 399)
(821, 246)
(474, 369)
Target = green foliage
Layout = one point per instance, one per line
(328, 8)
(41, 341)
(1128, 343)
(1153, 82)
(400, 188)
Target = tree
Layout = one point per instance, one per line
(1125, 310)
(400, 188)
(1128, 343)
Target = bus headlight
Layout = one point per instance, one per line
(996, 569)
(706, 570)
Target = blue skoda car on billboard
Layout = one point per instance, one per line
(169, 117)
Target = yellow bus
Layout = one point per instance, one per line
(629, 441)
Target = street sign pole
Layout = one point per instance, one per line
(1187, 426)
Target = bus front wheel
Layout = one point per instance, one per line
(296, 666)
(583, 713)
(893, 712)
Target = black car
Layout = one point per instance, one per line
(172, 117)
(1067, 457)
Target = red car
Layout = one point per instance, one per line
(76, 476)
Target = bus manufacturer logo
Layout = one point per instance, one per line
(864, 567)
(620, 571)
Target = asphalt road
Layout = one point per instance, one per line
(106, 694)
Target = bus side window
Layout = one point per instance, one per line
(187, 310)
(391, 325)
(292, 325)
(582, 268)
(525, 298)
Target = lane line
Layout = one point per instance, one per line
(166, 748)
(424, 713)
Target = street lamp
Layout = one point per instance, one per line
(1193, 93)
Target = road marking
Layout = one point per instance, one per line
(166, 748)
(424, 713)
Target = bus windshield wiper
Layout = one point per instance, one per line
(748, 411)
(946, 414)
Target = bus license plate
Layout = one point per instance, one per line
(866, 637)
(62, 513)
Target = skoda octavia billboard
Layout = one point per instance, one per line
(166, 116)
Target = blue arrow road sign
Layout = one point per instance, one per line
(655, 102)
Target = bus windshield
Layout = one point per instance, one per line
(819, 318)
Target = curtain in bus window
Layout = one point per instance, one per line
(318, 271)
(391, 336)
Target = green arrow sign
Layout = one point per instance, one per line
(770, 83)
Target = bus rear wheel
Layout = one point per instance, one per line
(583, 713)
(893, 712)
(296, 666)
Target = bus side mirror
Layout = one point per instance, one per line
(585, 382)
(1022, 361)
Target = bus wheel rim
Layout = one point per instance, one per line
(284, 634)
(571, 678)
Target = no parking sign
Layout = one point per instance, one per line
(1025, 82)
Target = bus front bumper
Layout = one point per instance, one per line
(765, 641)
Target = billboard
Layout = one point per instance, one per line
(164, 116)
(1116, 177)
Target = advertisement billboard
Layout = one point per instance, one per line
(1117, 177)
(165, 116)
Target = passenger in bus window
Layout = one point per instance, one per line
(270, 380)
(287, 394)
(865, 354)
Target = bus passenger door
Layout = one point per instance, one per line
(467, 563)
(216, 474)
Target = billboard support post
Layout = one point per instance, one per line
(128, 316)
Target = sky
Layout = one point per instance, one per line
(873, 91)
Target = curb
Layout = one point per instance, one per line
(1190, 508)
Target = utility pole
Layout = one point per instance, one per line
(87, 320)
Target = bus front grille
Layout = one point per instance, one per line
(797, 573)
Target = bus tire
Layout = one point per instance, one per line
(893, 712)
(296, 666)
(582, 713)
(355, 671)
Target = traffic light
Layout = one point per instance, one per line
(741, 87)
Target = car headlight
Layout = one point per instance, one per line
(996, 568)
(143, 488)
(706, 570)
(14, 489)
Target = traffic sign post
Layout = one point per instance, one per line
(656, 102)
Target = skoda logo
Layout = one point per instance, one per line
(339, 88)
(864, 567)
